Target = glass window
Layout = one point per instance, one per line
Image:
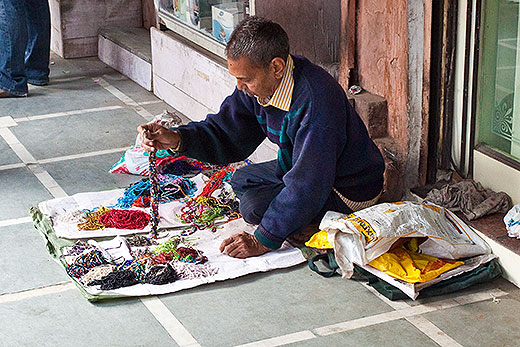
(499, 87)
(208, 23)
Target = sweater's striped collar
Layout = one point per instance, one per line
(283, 94)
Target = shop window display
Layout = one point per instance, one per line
(214, 19)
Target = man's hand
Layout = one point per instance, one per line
(155, 137)
(243, 245)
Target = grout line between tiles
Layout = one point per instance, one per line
(169, 322)
(421, 323)
(282, 340)
(11, 166)
(31, 293)
(43, 176)
(124, 98)
(82, 155)
(408, 312)
(15, 221)
(432, 331)
(67, 113)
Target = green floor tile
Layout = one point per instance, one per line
(261, 306)
(20, 191)
(25, 263)
(54, 137)
(395, 333)
(481, 324)
(67, 319)
(7, 156)
(89, 174)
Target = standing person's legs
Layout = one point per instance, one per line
(39, 41)
(13, 41)
(256, 185)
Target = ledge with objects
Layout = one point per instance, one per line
(492, 229)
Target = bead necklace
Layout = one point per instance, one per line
(73, 217)
(190, 271)
(204, 210)
(92, 222)
(97, 273)
(154, 185)
(124, 219)
(83, 263)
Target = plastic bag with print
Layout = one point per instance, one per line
(135, 159)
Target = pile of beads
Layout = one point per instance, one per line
(139, 241)
(135, 266)
(170, 250)
(77, 248)
(115, 279)
(170, 187)
(190, 255)
(161, 274)
(190, 271)
(73, 217)
(97, 273)
(204, 210)
(92, 222)
(86, 261)
(172, 244)
(124, 219)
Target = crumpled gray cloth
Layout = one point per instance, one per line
(469, 197)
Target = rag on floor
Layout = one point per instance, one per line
(469, 197)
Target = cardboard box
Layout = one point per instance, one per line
(225, 17)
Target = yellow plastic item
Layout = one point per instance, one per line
(319, 240)
(412, 267)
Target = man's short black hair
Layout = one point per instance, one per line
(258, 39)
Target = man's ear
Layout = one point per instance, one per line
(277, 66)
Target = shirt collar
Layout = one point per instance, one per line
(283, 94)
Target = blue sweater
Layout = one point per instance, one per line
(322, 144)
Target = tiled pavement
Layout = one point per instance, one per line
(63, 138)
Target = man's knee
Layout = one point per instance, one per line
(249, 213)
(239, 181)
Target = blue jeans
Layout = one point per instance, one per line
(25, 32)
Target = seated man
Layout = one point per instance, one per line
(326, 160)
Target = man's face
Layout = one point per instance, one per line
(254, 80)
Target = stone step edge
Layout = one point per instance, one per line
(107, 33)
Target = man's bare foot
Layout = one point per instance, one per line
(299, 239)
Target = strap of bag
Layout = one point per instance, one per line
(330, 262)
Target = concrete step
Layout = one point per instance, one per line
(127, 50)
(75, 23)
(492, 229)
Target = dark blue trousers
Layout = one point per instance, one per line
(256, 185)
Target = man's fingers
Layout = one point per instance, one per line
(230, 249)
(239, 252)
(226, 242)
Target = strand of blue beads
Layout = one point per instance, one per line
(154, 189)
